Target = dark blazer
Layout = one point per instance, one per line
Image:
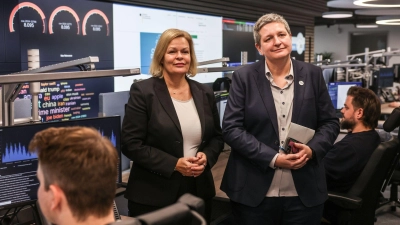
(152, 139)
(250, 127)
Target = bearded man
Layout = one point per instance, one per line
(348, 157)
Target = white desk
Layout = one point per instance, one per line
(385, 109)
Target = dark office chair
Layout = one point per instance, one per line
(391, 123)
(358, 205)
(394, 182)
(187, 210)
(222, 83)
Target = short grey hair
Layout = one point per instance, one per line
(266, 19)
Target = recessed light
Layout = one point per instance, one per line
(388, 20)
(366, 25)
(337, 14)
(375, 3)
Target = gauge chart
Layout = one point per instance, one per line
(95, 27)
(26, 23)
(64, 25)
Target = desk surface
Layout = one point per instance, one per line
(385, 109)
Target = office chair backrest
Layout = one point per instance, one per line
(194, 203)
(188, 208)
(370, 181)
(391, 170)
(177, 213)
(222, 83)
(127, 221)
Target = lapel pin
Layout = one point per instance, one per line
(301, 82)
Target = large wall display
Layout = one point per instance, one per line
(71, 99)
(63, 30)
(372, 40)
(137, 29)
(238, 37)
(122, 36)
(10, 57)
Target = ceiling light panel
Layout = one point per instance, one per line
(388, 20)
(375, 3)
(366, 25)
(337, 14)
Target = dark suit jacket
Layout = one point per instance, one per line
(250, 127)
(152, 139)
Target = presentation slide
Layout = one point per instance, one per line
(136, 32)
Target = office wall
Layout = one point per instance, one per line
(336, 39)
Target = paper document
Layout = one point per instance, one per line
(297, 134)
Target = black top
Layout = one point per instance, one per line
(348, 157)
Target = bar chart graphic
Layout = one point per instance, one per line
(16, 152)
(112, 137)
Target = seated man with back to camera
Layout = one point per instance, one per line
(77, 172)
(348, 157)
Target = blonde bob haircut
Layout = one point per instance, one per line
(156, 67)
(266, 19)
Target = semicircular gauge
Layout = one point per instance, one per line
(22, 5)
(60, 9)
(90, 13)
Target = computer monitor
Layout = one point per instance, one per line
(338, 92)
(396, 70)
(111, 104)
(385, 77)
(18, 181)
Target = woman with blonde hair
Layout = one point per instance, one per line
(171, 130)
